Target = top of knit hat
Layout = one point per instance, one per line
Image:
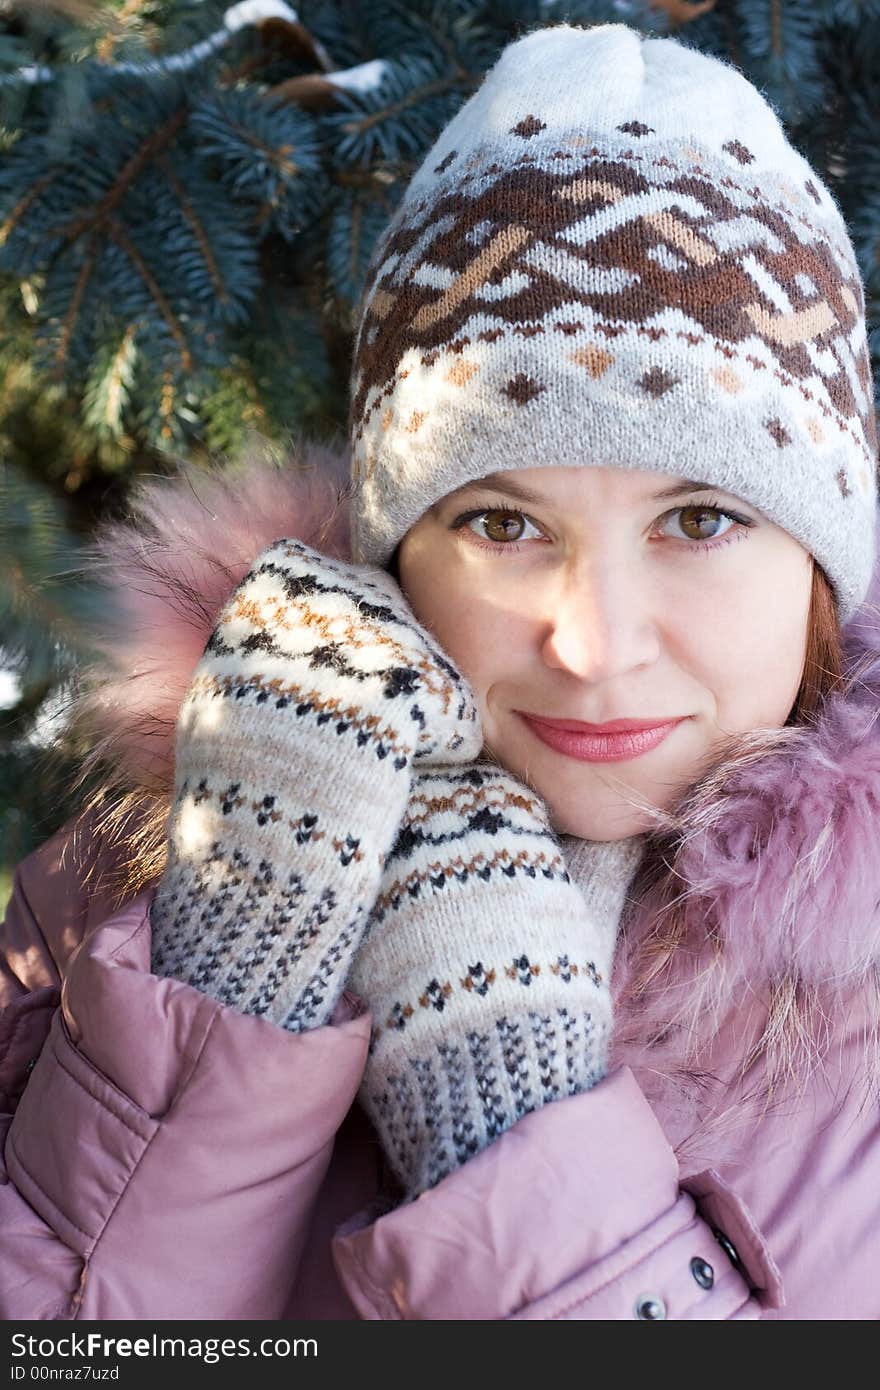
(612, 255)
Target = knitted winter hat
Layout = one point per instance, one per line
(612, 256)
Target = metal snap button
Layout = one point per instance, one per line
(702, 1272)
(650, 1307)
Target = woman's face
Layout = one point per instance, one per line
(595, 594)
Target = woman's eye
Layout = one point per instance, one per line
(499, 525)
(701, 523)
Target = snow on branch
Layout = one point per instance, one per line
(237, 17)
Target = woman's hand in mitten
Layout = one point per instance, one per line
(317, 693)
(486, 969)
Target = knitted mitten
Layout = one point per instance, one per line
(486, 969)
(316, 693)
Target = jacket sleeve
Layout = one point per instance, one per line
(165, 1154)
(576, 1212)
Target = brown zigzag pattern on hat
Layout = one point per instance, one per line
(665, 255)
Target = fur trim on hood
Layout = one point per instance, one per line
(170, 568)
(777, 862)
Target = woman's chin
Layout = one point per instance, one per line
(616, 812)
(602, 826)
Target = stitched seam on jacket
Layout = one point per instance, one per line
(681, 1316)
(144, 1138)
(214, 1010)
(205, 1004)
(91, 1238)
(78, 1302)
(11, 1145)
(146, 1141)
(728, 1277)
(132, 936)
(621, 1273)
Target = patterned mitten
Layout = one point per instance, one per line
(316, 694)
(486, 969)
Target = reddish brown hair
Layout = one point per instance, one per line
(823, 662)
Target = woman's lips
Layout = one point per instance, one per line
(599, 748)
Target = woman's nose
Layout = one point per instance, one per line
(602, 624)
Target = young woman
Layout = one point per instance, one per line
(321, 1022)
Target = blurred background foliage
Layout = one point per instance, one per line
(189, 195)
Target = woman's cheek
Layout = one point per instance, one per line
(470, 641)
(482, 644)
(750, 667)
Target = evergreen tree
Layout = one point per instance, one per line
(189, 196)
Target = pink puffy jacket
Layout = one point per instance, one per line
(167, 1157)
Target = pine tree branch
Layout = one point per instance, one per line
(444, 45)
(310, 90)
(270, 17)
(683, 11)
(106, 46)
(428, 89)
(166, 404)
(276, 157)
(777, 43)
(319, 90)
(115, 231)
(129, 172)
(246, 68)
(730, 31)
(354, 243)
(72, 314)
(22, 206)
(302, 39)
(28, 597)
(116, 375)
(201, 235)
(79, 11)
(370, 178)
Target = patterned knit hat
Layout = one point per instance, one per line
(612, 256)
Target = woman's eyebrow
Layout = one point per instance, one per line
(503, 482)
(687, 485)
